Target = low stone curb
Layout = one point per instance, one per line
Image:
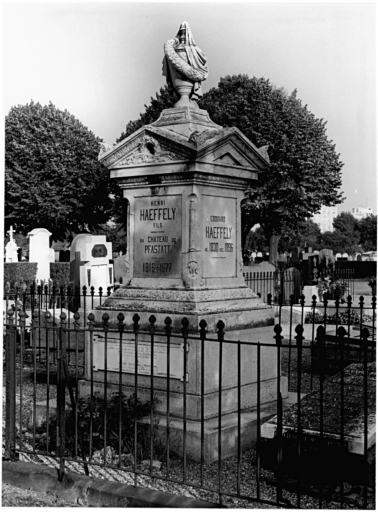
(91, 492)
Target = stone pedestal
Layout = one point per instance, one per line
(184, 178)
(238, 385)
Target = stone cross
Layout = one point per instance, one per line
(10, 233)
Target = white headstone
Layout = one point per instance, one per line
(11, 249)
(39, 252)
(52, 255)
(338, 255)
(89, 262)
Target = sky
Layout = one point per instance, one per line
(102, 61)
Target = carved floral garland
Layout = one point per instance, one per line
(182, 66)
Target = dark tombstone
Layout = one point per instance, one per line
(19, 254)
(266, 257)
(295, 259)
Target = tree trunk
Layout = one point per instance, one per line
(273, 248)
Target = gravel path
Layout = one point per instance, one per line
(15, 497)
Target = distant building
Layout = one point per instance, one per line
(360, 213)
(325, 217)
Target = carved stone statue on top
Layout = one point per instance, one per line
(185, 66)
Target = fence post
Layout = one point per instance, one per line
(61, 395)
(10, 412)
(202, 332)
(278, 337)
(299, 337)
(136, 328)
(168, 331)
(364, 336)
(185, 334)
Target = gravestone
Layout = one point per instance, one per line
(39, 252)
(184, 179)
(119, 268)
(90, 266)
(313, 267)
(184, 253)
(52, 255)
(295, 252)
(259, 257)
(306, 254)
(11, 254)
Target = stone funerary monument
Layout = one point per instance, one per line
(184, 178)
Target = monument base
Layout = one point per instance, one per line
(231, 426)
(238, 307)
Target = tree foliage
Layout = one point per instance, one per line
(304, 171)
(257, 241)
(367, 228)
(164, 99)
(339, 242)
(345, 223)
(307, 234)
(52, 176)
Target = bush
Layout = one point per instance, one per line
(351, 317)
(60, 274)
(20, 272)
(93, 410)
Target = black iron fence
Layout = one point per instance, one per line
(284, 282)
(246, 418)
(291, 281)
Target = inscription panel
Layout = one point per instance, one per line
(144, 357)
(219, 236)
(157, 237)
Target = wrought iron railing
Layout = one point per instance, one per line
(243, 409)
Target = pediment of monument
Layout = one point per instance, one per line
(166, 144)
(146, 146)
(230, 147)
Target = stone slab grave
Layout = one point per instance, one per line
(90, 266)
(184, 178)
(354, 425)
(39, 252)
